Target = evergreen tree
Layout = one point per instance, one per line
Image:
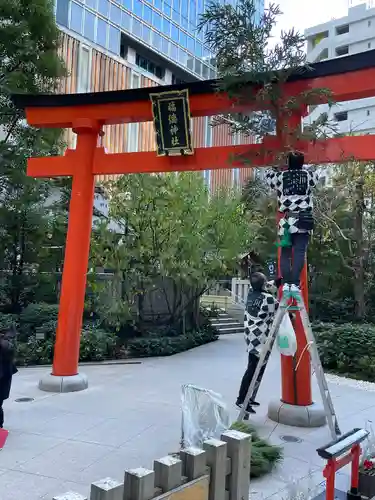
(254, 71)
(29, 63)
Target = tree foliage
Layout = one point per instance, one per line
(341, 250)
(254, 72)
(171, 230)
(29, 63)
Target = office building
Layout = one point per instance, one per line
(122, 44)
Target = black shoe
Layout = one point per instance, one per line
(249, 409)
(251, 403)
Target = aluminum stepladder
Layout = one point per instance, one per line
(283, 309)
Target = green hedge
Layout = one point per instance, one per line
(348, 348)
(38, 319)
(96, 345)
(166, 346)
(37, 325)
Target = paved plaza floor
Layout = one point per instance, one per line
(130, 415)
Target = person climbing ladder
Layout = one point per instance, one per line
(293, 187)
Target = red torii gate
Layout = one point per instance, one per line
(348, 78)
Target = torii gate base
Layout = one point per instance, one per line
(348, 78)
(303, 412)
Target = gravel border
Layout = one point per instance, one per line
(362, 385)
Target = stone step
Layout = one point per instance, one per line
(234, 329)
(224, 325)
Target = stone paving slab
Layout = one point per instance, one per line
(130, 415)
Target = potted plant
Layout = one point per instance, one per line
(367, 466)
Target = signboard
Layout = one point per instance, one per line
(272, 269)
(172, 123)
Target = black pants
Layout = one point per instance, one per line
(248, 375)
(1, 414)
(291, 268)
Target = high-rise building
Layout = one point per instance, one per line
(122, 44)
(338, 38)
(166, 27)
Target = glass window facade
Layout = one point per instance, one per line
(166, 26)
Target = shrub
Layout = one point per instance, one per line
(348, 348)
(211, 311)
(7, 320)
(264, 456)
(327, 310)
(166, 346)
(38, 316)
(34, 352)
(96, 345)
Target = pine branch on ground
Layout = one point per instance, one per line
(264, 456)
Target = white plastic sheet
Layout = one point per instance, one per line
(204, 416)
(368, 447)
(286, 337)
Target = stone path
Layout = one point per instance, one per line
(130, 415)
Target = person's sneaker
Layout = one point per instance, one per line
(249, 408)
(295, 292)
(286, 289)
(254, 403)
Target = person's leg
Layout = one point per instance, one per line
(246, 380)
(1, 414)
(286, 264)
(300, 242)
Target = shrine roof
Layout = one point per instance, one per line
(341, 65)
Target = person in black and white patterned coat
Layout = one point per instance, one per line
(261, 307)
(294, 188)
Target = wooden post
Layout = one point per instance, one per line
(239, 450)
(73, 287)
(194, 463)
(107, 489)
(168, 473)
(216, 452)
(139, 484)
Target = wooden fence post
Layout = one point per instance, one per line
(194, 463)
(107, 489)
(216, 452)
(239, 449)
(168, 473)
(139, 484)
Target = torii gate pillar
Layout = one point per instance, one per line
(65, 376)
(296, 406)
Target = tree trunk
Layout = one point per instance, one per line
(358, 263)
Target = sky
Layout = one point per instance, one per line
(302, 14)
